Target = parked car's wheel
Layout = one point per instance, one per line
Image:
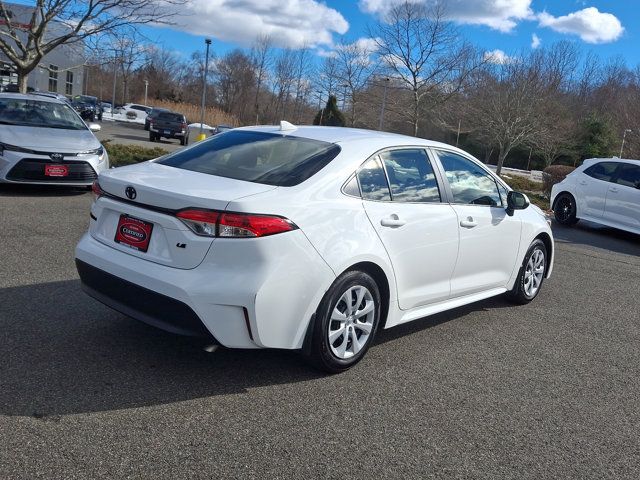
(183, 140)
(531, 274)
(565, 209)
(345, 323)
(147, 123)
(152, 137)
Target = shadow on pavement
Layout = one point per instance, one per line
(598, 236)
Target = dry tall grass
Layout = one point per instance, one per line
(212, 115)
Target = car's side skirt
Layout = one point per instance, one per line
(399, 316)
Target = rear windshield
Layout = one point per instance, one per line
(256, 157)
(170, 117)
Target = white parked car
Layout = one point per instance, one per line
(601, 190)
(308, 238)
(44, 140)
(135, 110)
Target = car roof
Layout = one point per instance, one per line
(591, 161)
(28, 96)
(344, 135)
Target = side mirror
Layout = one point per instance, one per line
(516, 201)
(94, 127)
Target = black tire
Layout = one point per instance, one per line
(564, 209)
(183, 140)
(146, 125)
(152, 137)
(322, 354)
(521, 294)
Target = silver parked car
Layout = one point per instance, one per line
(44, 141)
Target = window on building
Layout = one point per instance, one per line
(53, 78)
(68, 89)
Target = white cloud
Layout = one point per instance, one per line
(291, 23)
(589, 24)
(498, 57)
(535, 41)
(502, 15)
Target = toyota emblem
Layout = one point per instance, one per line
(131, 193)
(56, 157)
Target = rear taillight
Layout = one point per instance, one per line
(97, 191)
(210, 223)
(184, 126)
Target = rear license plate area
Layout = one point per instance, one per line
(133, 232)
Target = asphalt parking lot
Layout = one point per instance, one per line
(547, 390)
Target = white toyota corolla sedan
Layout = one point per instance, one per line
(308, 238)
(601, 190)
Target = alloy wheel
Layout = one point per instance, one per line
(351, 322)
(534, 273)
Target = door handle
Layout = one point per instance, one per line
(468, 223)
(392, 221)
(583, 182)
(613, 189)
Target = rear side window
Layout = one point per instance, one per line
(373, 182)
(629, 175)
(258, 157)
(411, 176)
(602, 171)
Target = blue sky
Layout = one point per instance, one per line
(608, 27)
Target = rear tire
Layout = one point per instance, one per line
(183, 140)
(564, 209)
(531, 274)
(152, 137)
(346, 322)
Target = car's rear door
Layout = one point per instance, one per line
(489, 238)
(623, 197)
(401, 194)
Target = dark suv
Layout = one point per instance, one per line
(169, 125)
(88, 107)
(152, 116)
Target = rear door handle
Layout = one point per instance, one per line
(613, 189)
(583, 182)
(392, 221)
(468, 223)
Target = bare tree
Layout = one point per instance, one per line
(51, 23)
(425, 53)
(261, 55)
(283, 80)
(354, 69)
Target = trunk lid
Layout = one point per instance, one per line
(160, 191)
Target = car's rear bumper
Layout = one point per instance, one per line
(140, 303)
(248, 293)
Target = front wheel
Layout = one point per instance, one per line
(346, 322)
(565, 209)
(531, 274)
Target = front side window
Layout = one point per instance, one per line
(470, 184)
(629, 175)
(602, 171)
(373, 182)
(258, 157)
(411, 176)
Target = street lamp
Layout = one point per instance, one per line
(207, 41)
(146, 88)
(624, 135)
(384, 102)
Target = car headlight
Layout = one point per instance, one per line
(96, 151)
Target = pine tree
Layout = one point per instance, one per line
(330, 115)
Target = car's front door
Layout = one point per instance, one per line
(489, 238)
(592, 186)
(623, 198)
(402, 198)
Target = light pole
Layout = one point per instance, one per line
(207, 41)
(115, 75)
(624, 135)
(384, 102)
(344, 95)
(146, 88)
